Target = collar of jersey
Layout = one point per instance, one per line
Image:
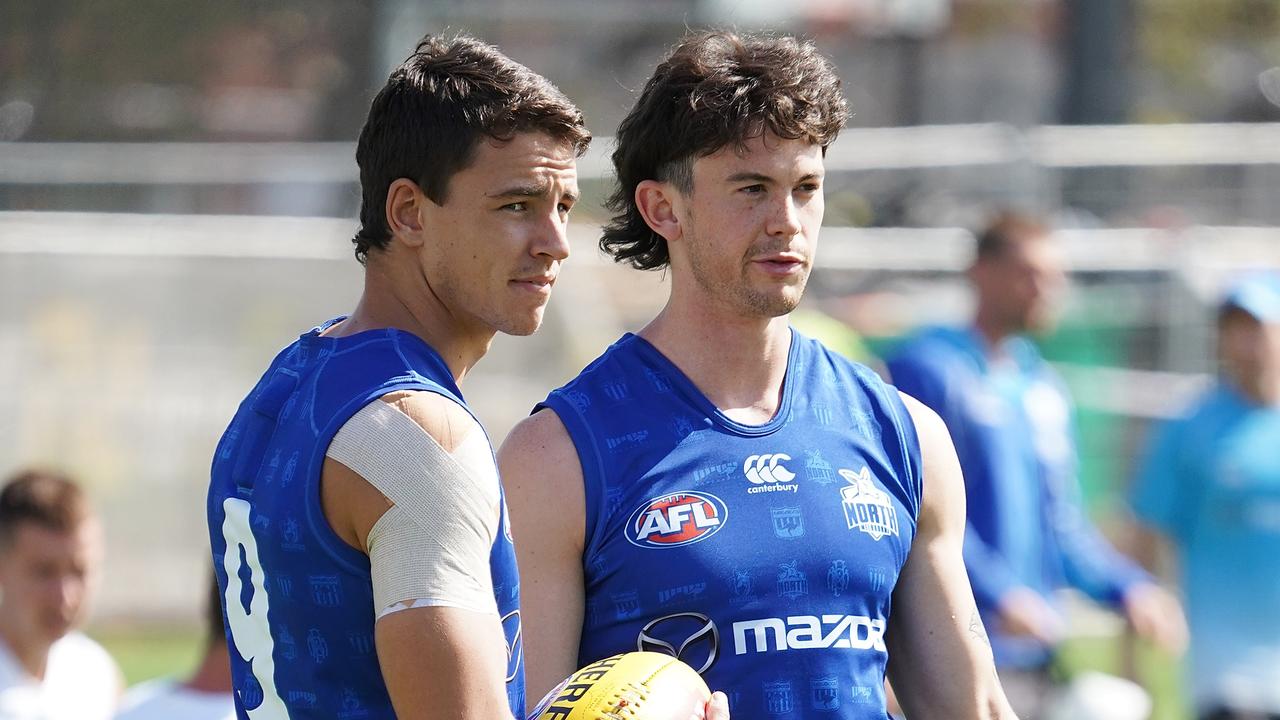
(347, 343)
(653, 357)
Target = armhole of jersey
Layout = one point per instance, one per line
(351, 558)
(584, 441)
(908, 443)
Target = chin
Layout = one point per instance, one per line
(771, 305)
(56, 630)
(521, 326)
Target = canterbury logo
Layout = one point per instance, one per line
(761, 469)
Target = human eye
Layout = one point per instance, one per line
(520, 206)
(756, 189)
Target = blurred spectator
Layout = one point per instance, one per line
(1010, 418)
(206, 695)
(50, 556)
(1210, 483)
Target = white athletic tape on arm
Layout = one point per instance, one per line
(433, 546)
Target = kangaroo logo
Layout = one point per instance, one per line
(866, 507)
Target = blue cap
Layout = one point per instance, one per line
(1257, 294)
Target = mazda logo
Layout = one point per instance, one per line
(515, 648)
(703, 628)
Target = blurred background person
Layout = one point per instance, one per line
(206, 695)
(1210, 485)
(1010, 419)
(50, 556)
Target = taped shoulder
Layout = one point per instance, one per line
(432, 546)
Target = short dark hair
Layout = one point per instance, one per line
(1005, 229)
(426, 121)
(714, 90)
(47, 498)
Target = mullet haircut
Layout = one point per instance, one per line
(716, 89)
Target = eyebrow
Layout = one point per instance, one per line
(760, 178)
(529, 190)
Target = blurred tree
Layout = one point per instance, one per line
(136, 69)
(1203, 58)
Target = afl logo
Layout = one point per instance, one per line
(676, 519)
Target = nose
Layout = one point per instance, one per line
(553, 237)
(70, 592)
(784, 221)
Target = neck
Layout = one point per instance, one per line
(32, 655)
(214, 673)
(991, 328)
(739, 363)
(395, 296)
(1263, 393)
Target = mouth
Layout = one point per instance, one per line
(781, 264)
(537, 284)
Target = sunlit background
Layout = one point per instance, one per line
(178, 191)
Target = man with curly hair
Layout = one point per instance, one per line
(724, 489)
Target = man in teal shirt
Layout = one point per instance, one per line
(1210, 484)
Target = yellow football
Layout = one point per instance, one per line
(630, 686)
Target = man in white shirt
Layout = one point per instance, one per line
(50, 556)
(206, 695)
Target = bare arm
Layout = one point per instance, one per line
(438, 661)
(543, 480)
(940, 659)
(443, 662)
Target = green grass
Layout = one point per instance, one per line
(145, 651)
(1156, 671)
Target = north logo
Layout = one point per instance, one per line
(676, 519)
(866, 507)
(761, 469)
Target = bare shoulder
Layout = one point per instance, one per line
(353, 504)
(943, 483)
(929, 426)
(442, 418)
(538, 462)
(541, 439)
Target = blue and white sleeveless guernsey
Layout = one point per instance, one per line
(764, 556)
(300, 620)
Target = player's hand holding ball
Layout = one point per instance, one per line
(633, 686)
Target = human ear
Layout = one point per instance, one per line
(404, 217)
(657, 203)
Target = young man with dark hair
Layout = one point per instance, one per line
(1010, 417)
(724, 489)
(359, 531)
(50, 558)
